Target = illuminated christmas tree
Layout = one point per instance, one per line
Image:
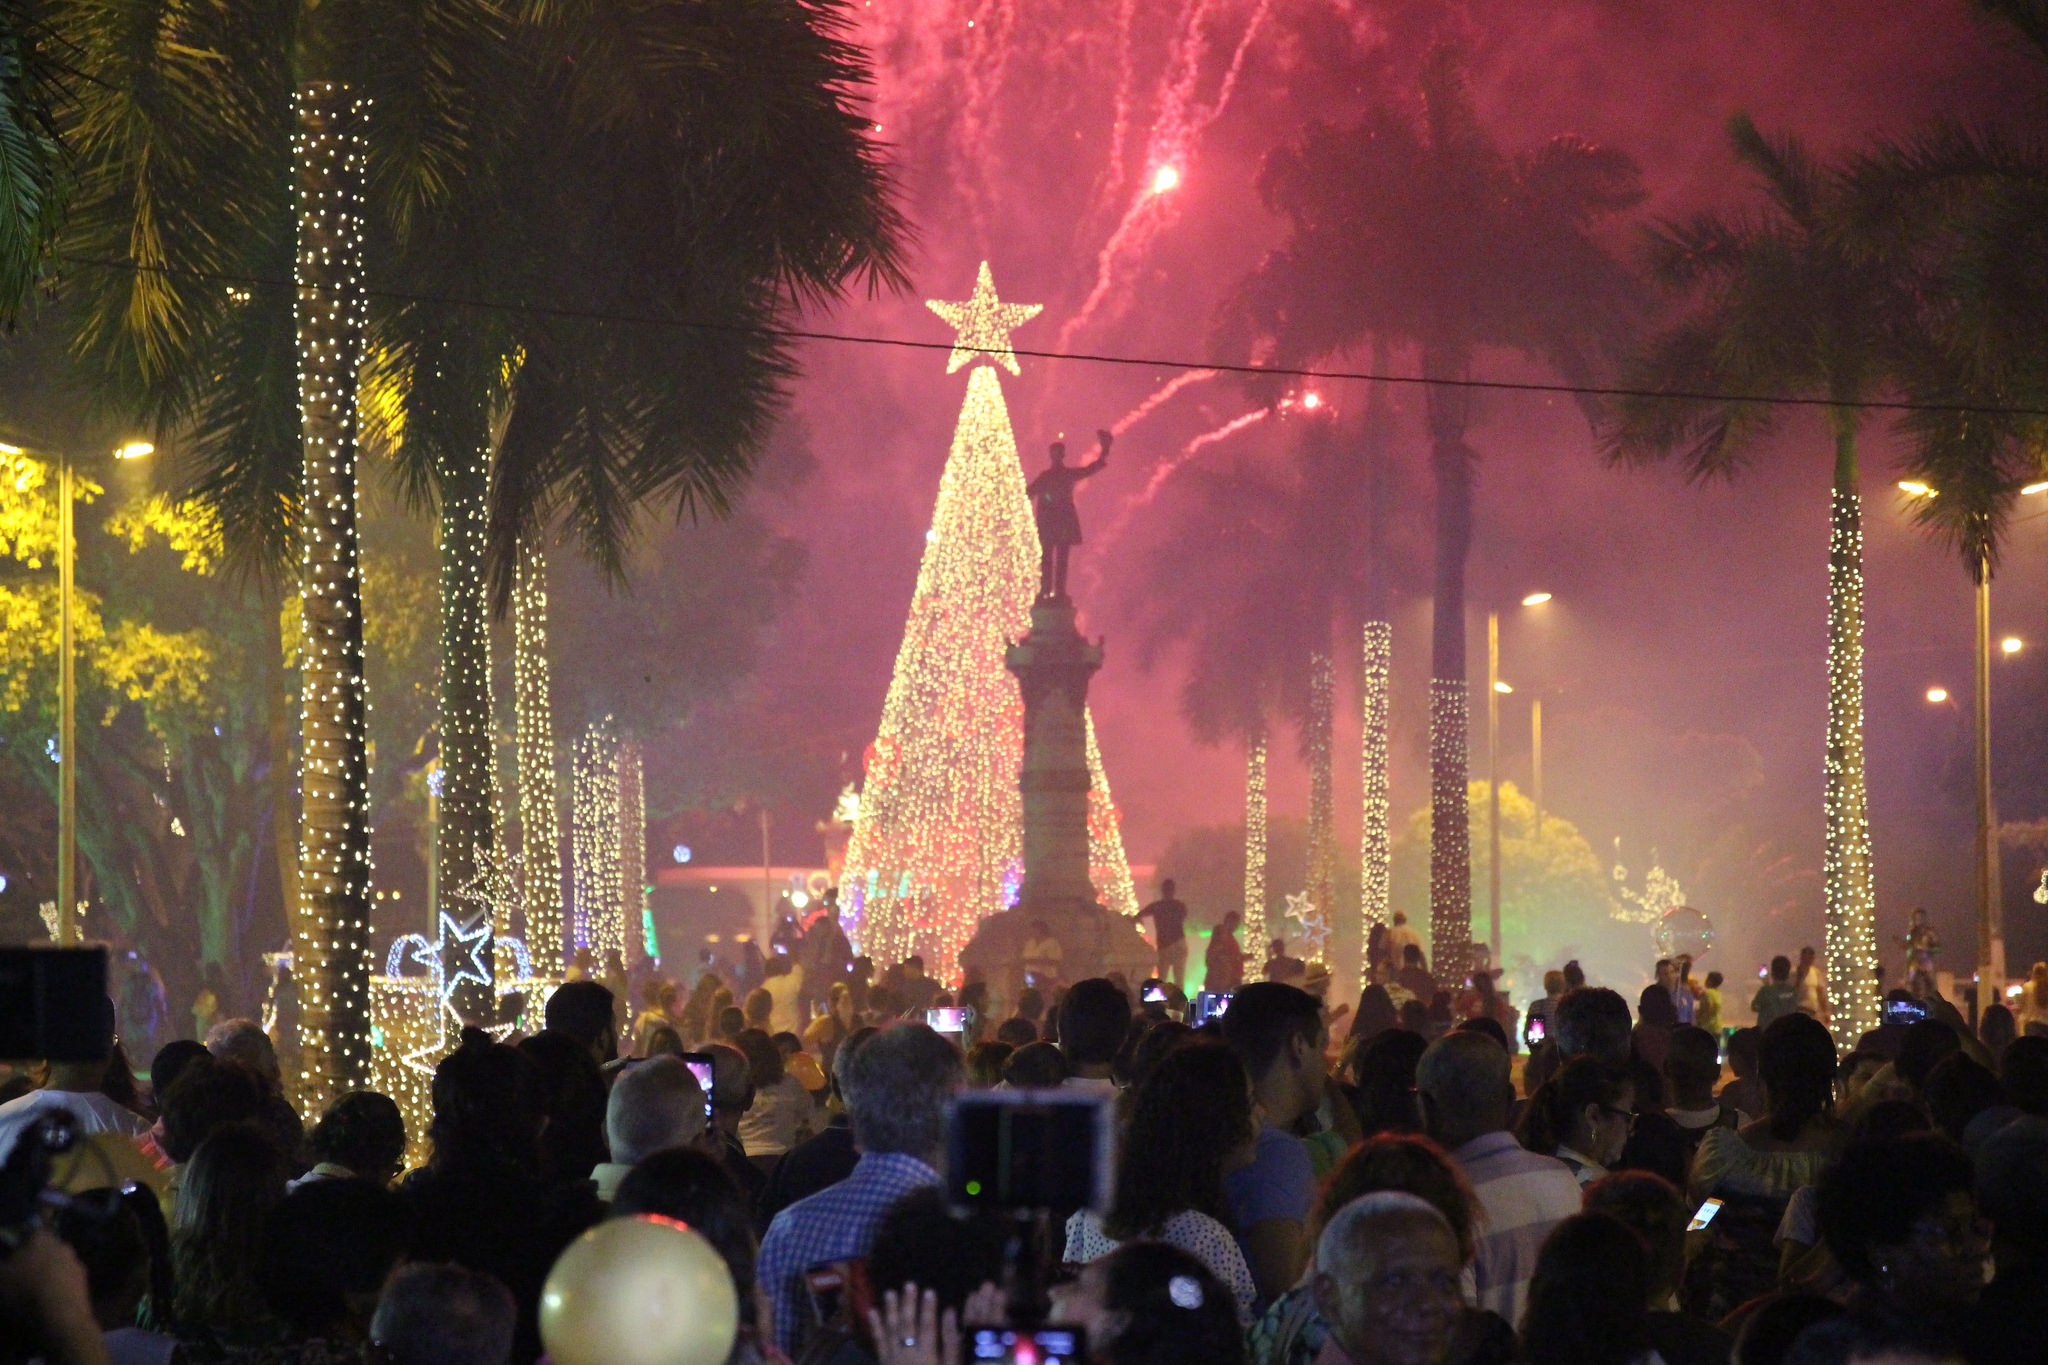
(938, 842)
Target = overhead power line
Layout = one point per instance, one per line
(1098, 357)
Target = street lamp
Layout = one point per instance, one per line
(67, 684)
(1990, 931)
(1495, 690)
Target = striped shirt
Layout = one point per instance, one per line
(1522, 1196)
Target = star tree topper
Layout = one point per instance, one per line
(983, 323)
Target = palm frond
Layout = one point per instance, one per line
(34, 91)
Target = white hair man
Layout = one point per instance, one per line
(655, 1105)
(1387, 1282)
(898, 1087)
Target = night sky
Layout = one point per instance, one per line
(1682, 659)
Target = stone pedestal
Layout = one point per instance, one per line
(1053, 665)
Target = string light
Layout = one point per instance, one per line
(467, 802)
(594, 843)
(1847, 876)
(937, 844)
(633, 918)
(332, 919)
(1322, 813)
(1375, 850)
(1450, 833)
(1255, 841)
(540, 835)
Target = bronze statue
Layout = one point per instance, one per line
(1052, 507)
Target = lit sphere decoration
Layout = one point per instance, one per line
(639, 1291)
(1684, 932)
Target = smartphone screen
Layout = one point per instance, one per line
(700, 1067)
(1537, 1029)
(1025, 1346)
(948, 1018)
(1154, 995)
(1703, 1215)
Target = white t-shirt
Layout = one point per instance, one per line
(784, 990)
(92, 1113)
(779, 1118)
(1199, 1235)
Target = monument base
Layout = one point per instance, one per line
(1093, 942)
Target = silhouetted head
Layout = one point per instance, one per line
(1059, 453)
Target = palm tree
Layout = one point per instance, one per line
(1423, 233)
(1776, 302)
(32, 93)
(607, 194)
(618, 161)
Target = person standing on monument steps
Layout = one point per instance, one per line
(1052, 507)
(1169, 933)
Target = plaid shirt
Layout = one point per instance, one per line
(1522, 1196)
(836, 1224)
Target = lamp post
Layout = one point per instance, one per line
(1990, 929)
(67, 682)
(1495, 690)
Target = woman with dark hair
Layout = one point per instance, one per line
(1383, 1068)
(1190, 1124)
(1376, 1013)
(1589, 1300)
(1152, 1304)
(1996, 1029)
(482, 1200)
(360, 1137)
(781, 1115)
(228, 1189)
(1900, 1216)
(1581, 1116)
(1755, 1169)
(1292, 1331)
(698, 1016)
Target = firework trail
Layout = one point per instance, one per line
(1161, 472)
(1175, 133)
(1145, 409)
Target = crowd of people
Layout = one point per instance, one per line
(1292, 1184)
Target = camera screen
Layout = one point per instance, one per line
(700, 1067)
(1029, 1149)
(948, 1018)
(1209, 1005)
(1023, 1346)
(1154, 995)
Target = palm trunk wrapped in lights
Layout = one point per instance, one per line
(1847, 874)
(331, 928)
(1450, 834)
(632, 857)
(1322, 813)
(540, 833)
(1255, 842)
(467, 803)
(594, 843)
(1375, 851)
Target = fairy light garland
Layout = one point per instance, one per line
(1108, 868)
(938, 843)
(632, 857)
(1255, 842)
(594, 842)
(540, 832)
(332, 919)
(468, 802)
(1375, 850)
(1450, 833)
(1322, 813)
(1847, 874)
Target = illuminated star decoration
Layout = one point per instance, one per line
(496, 892)
(984, 324)
(1315, 933)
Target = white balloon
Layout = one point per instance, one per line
(639, 1291)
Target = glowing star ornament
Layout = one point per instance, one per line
(1315, 927)
(984, 323)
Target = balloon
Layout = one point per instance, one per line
(1684, 931)
(639, 1291)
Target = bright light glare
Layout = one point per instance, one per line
(1536, 599)
(1165, 178)
(681, 853)
(1937, 695)
(2011, 644)
(6, 449)
(1311, 399)
(2032, 488)
(1913, 488)
(799, 899)
(1499, 686)
(134, 450)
